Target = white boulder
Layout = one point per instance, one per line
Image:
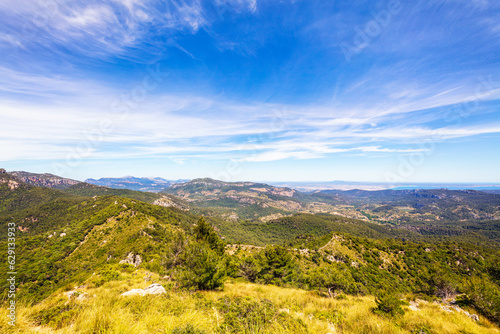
(153, 289)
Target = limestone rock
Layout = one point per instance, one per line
(446, 308)
(153, 289)
(77, 294)
(71, 294)
(414, 306)
(132, 259)
(82, 296)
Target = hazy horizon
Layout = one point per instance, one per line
(308, 183)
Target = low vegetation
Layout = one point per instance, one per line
(301, 274)
(239, 308)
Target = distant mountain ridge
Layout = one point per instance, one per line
(428, 211)
(149, 184)
(235, 200)
(211, 184)
(410, 208)
(72, 247)
(44, 180)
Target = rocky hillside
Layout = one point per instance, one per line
(61, 237)
(44, 180)
(240, 200)
(101, 246)
(414, 209)
(211, 187)
(420, 205)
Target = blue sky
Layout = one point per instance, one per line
(386, 91)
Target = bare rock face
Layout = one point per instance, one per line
(132, 259)
(44, 180)
(71, 294)
(2, 171)
(82, 296)
(77, 295)
(153, 289)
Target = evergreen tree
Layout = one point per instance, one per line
(203, 231)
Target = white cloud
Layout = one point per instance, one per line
(180, 126)
(185, 125)
(100, 29)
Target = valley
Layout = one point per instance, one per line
(341, 249)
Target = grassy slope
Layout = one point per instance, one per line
(94, 228)
(287, 311)
(104, 226)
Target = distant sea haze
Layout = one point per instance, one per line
(157, 184)
(346, 185)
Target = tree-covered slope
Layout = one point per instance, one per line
(60, 236)
(65, 240)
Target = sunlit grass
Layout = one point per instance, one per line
(106, 312)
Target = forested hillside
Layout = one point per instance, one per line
(100, 242)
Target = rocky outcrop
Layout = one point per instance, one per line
(153, 289)
(167, 202)
(77, 295)
(451, 305)
(44, 180)
(132, 259)
(71, 294)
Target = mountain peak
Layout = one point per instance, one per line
(149, 184)
(44, 180)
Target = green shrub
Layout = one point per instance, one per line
(389, 305)
(104, 275)
(126, 268)
(484, 295)
(202, 269)
(56, 317)
(203, 231)
(247, 315)
(277, 265)
(248, 268)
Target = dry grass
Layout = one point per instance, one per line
(106, 312)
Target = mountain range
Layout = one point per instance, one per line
(153, 184)
(414, 209)
(408, 260)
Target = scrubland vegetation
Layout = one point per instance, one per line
(303, 274)
(239, 308)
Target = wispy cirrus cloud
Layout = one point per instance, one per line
(105, 28)
(186, 126)
(245, 81)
